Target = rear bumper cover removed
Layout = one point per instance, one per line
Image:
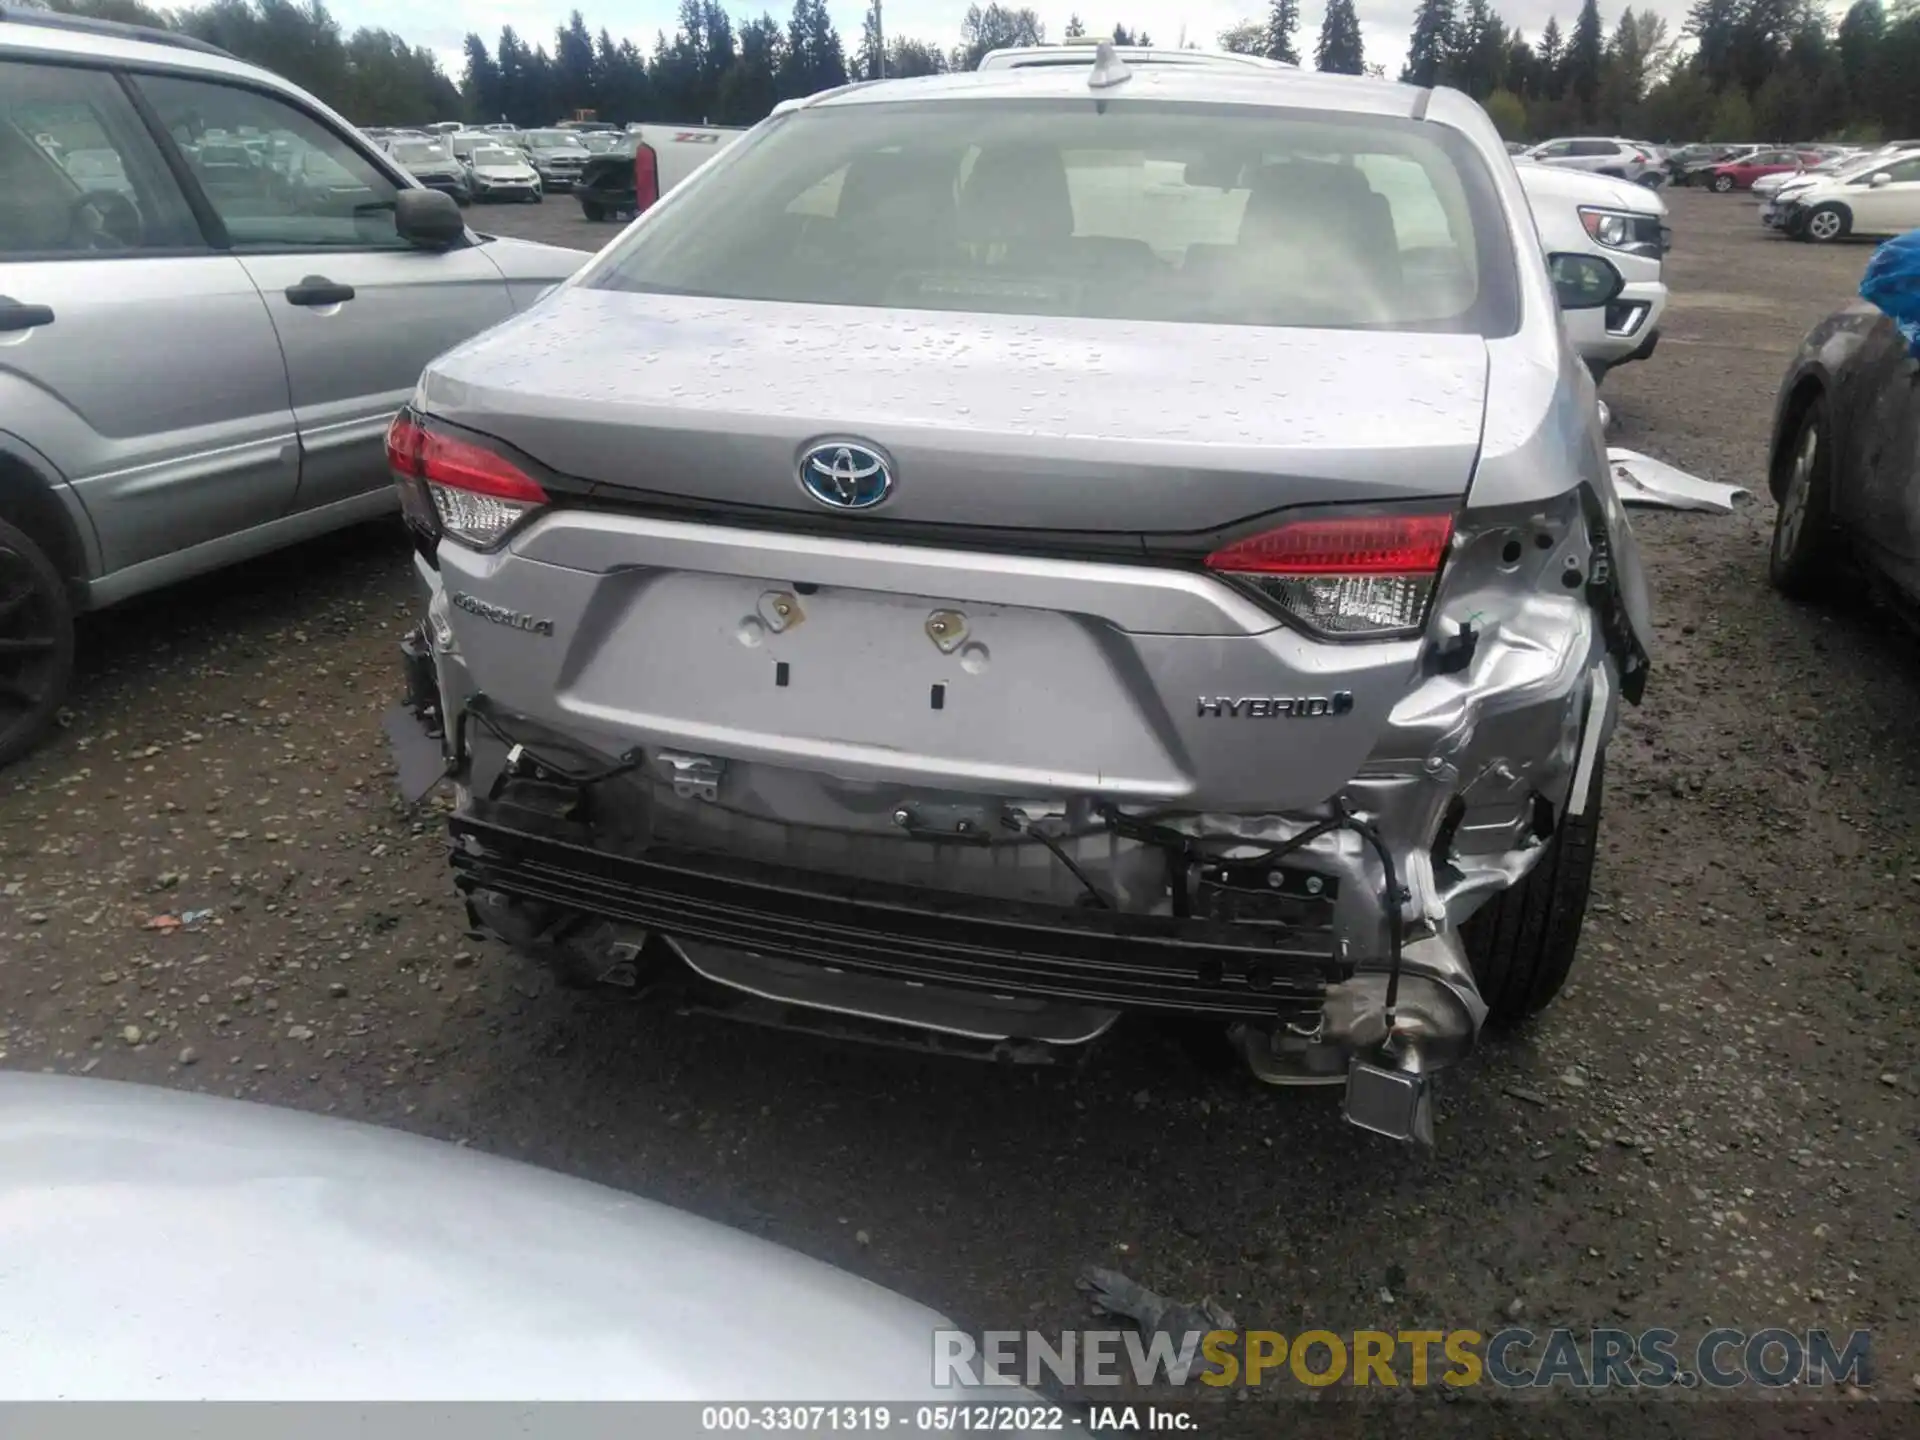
(1154, 963)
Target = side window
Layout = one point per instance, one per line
(1904, 173)
(1591, 148)
(1557, 150)
(79, 173)
(278, 178)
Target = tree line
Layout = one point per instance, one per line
(1738, 70)
(1766, 70)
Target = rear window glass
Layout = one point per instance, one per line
(1143, 211)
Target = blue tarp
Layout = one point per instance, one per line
(1892, 283)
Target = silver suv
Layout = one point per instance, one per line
(996, 552)
(214, 294)
(1601, 155)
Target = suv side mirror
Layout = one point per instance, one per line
(1583, 282)
(1880, 178)
(428, 218)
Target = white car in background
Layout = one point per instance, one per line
(1624, 224)
(1770, 185)
(1877, 195)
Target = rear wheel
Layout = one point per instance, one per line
(1722, 184)
(1826, 224)
(36, 643)
(1801, 561)
(593, 210)
(1522, 942)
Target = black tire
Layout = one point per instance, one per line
(1801, 560)
(1722, 184)
(1522, 942)
(592, 210)
(1825, 224)
(36, 643)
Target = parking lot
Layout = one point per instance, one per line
(207, 881)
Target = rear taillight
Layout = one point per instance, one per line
(451, 486)
(646, 178)
(1365, 577)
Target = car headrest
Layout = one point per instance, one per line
(1016, 192)
(878, 179)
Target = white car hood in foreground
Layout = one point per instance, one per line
(157, 1245)
(1579, 187)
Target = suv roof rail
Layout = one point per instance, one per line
(113, 29)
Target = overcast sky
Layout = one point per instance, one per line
(441, 24)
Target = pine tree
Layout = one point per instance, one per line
(871, 64)
(1521, 66)
(1075, 28)
(573, 66)
(1584, 52)
(1433, 32)
(1282, 21)
(480, 84)
(1553, 53)
(1339, 51)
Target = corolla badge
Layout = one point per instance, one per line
(846, 475)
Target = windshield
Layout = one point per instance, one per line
(554, 140)
(1142, 211)
(417, 152)
(496, 155)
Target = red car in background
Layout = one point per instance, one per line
(1740, 174)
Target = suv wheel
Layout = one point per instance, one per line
(593, 210)
(1521, 943)
(1801, 559)
(36, 643)
(1826, 224)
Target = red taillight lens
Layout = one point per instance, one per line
(646, 178)
(469, 492)
(1363, 577)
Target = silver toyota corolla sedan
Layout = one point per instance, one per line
(997, 552)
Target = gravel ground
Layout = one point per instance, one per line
(1715, 1125)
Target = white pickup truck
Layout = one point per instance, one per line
(1625, 225)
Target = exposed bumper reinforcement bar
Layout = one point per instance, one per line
(1124, 961)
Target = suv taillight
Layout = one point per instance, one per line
(646, 177)
(1365, 577)
(450, 486)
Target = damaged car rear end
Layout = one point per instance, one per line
(1002, 552)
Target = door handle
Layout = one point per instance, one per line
(16, 316)
(318, 290)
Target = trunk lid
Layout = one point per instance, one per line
(1096, 426)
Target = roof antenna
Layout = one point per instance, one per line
(1108, 68)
